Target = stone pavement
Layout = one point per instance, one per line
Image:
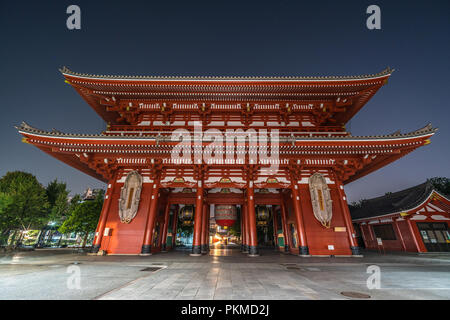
(223, 274)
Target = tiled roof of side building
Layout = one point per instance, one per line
(395, 202)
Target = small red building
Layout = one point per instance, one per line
(286, 148)
(415, 220)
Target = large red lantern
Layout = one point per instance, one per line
(225, 215)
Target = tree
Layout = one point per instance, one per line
(235, 229)
(5, 201)
(441, 184)
(57, 195)
(83, 216)
(186, 230)
(27, 202)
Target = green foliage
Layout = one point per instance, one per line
(54, 190)
(185, 230)
(5, 202)
(83, 216)
(24, 201)
(441, 184)
(57, 194)
(235, 229)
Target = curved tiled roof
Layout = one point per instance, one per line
(395, 202)
(24, 127)
(65, 71)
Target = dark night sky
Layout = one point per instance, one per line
(230, 38)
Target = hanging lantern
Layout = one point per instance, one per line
(186, 215)
(225, 215)
(262, 216)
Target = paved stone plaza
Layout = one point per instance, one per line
(223, 274)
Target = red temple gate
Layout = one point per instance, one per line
(290, 149)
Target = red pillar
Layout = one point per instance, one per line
(243, 235)
(208, 212)
(362, 233)
(246, 227)
(104, 215)
(394, 221)
(166, 227)
(285, 227)
(347, 219)
(175, 226)
(372, 236)
(150, 223)
(253, 236)
(413, 235)
(275, 228)
(205, 228)
(196, 242)
(303, 249)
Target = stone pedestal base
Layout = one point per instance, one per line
(146, 250)
(253, 251)
(355, 251)
(303, 251)
(196, 251)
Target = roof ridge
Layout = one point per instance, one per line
(390, 194)
(387, 71)
(28, 128)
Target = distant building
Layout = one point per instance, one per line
(90, 194)
(415, 220)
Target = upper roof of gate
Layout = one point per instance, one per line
(115, 98)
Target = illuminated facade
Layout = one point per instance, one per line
(289, 150)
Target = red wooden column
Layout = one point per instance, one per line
(372, 236)
(175, 226)
(363, 234)
(413, 235)
(285, 227)
(197, 240)
(251, 215)
(303, 249)
(208, 212)
(275, 228)
(394, 221)
(166, 227)
(150, 223)
(205, 228)
(243, 235)
(246, 226)
(104, 215)
(347, 219)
